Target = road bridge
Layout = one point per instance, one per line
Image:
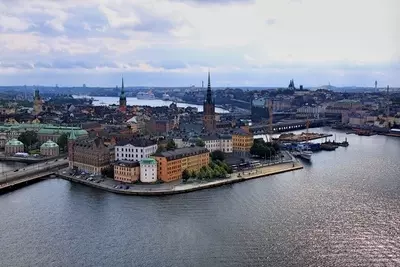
(287, 126)
(34, 170)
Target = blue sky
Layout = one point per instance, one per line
(175, 42)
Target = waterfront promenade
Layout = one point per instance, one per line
(179, 188)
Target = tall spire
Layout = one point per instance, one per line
(72, 135)
(122, 86)
(209, 93)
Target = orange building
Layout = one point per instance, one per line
(127, 171)
(171, 164)
(242, 141)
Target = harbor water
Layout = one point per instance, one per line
(342, 209)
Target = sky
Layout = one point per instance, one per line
(176, 42)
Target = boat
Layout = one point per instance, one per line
(144, 95)
(166, 96)
(306, 154)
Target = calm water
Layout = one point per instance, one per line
(342, 210)
(108, 100)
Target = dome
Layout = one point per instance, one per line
(49, 144)
(14, 142)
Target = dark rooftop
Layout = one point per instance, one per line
(182, 152)
(138, 142)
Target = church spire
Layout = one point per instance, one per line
(209, 93)
(122, 86)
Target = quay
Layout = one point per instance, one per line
(173, 188)
(58, 169)
(301, 137)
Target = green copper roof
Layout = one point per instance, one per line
(49, 144)
(148, 161)
(14, 142)
(72, 135)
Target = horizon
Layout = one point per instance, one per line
(173, 43)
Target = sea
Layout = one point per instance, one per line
(342, 209)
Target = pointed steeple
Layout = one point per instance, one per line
(122, 88)
(72, 135)
(209, 93)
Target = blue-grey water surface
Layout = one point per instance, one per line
(341, 210)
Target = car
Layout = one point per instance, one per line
(16, 170)
(97, 181)
(116, 186)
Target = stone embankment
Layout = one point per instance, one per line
(170, 189)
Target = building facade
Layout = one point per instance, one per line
(88, 154)
(126, 171)
(13, 146)
(54, 132)
(134, 149)
(49, 149)
(37, 103)
(209, 122)
(171, 164)
(148, 170)
(222, 143)
(242, 141)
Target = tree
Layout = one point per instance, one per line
(193, 174)
(185, 175)
(171, 145)
(29, 138)
(217, 155)
(200, 143)
(108, 172)
(160, 149)
(62, 142)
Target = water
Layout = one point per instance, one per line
(131, 101)
(342, 210)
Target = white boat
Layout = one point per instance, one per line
(144, 95)
(166, 97)
(306, 154)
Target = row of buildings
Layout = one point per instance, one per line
(138, 159)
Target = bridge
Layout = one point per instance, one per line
(29, 160)
(30, 173)
(287, 126)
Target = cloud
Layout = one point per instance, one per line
(253, 38)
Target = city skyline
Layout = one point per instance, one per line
(175, 42)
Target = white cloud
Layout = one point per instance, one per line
(256, 36)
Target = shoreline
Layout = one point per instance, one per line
(152, 190)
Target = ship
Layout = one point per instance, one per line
(306, 154)
(166, 97)
(144, 95)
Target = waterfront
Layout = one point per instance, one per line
(343, 209)
(131, 101)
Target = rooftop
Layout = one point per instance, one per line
(148, 161)
(49, 144)
(14, 142)
(127, 163)
(137, 142)
(182, 152)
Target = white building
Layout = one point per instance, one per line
(311, 111)
(222, 143)
(148, 170)
(135, 149)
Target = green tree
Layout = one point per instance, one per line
(160, 149)
(185, 175)
(108, 172)
(62, 142)
(200, 142)
(217, 155)
(29, 138)
(193, 174)
(171, 145)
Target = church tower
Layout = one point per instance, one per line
(37, 103)
(209, 110)
(122, 98)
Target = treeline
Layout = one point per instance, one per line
(214, 170)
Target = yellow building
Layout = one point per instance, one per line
(242, 141)
(127, 171)
(171, 164)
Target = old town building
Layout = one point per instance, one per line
(126, 171)
(242, 141)
(88, 154)
(13, 146)
(221, 142)
(134, 149)
(52, 133)
(49, 148)
(148, 170)
(171, 164)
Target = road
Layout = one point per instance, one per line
(31, 169)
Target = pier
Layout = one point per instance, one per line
(287, 126)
